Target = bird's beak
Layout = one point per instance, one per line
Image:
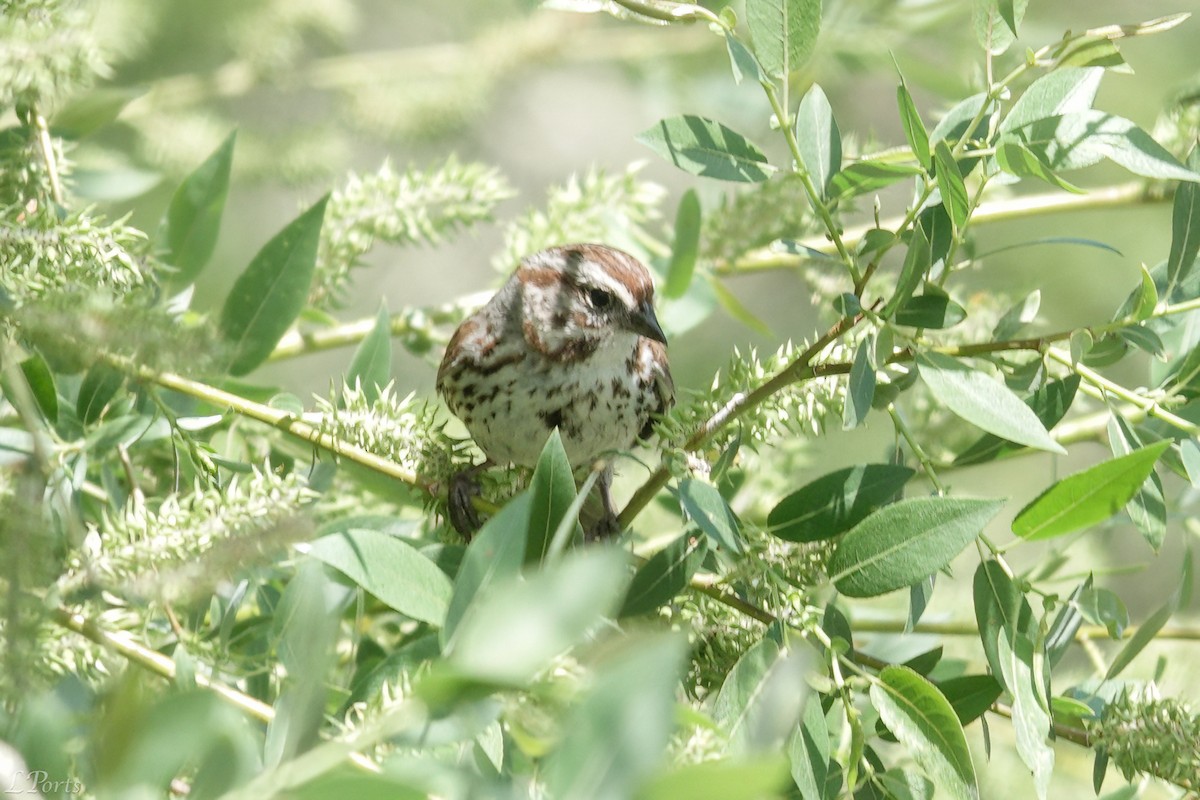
(644, 322)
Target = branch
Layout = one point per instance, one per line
(1133, 193)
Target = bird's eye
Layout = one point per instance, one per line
(600, 299)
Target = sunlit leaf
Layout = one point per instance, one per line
(707, 148)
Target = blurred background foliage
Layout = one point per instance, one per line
(317, 89)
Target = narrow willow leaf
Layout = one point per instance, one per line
(687, 245)
(999, 607)
(860, 390)
(867, 176)
(1149, 629)
(1018, 160)
(950, 185)
(371, 366)
(390, 569)
(552, 491)
(1103, 607)
(704, 504)
(664, 576)
(620, 727)
(983, 402)
(268, 296)
(819, 139)
(923, 720)
(1031, 720)
(546, 613)
(189, 230)
(742, 61)
(835, 503)
(41, 384)
(496, 553)
(1189, 451)
(736, 309)
(900, 544)
(808, 753)
(1093, 51)
(784, 31)
(707, 148)
(1050, 403)
(1018, 316)
(1087, 497)
(1147, 296)
(762, 697)
(99, 386)
(934, 310)
(1062, 91)
(996, 23)
(916, 263)
(971, 695)
(1147, 508)
(914, 128)
(1080, 139)
(1185, 228)
(1062, 633)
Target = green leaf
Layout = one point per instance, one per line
(984, 402)
(515, 627)
(1148, 630)
(1087, 497)
(996, 23)
(745, 779)
(552, 490)
(1103, 607)
(999, 607)
(819, 139)
(742, 61)
(861, 177)
(900, 544)
(808, 753)
(707, 148)
(189, 229)
(762, 697)
(268, 296)
(704, 504)
(100, 385)
(687, 245)
(934, 310)
(1185, 228)
(923, 720)
(914, 128)
(1062, 633)
(41, 384)
(371, 366)
(916, 263)
(390, 569)
(860, 390)
(1031, 719)
(1062, 91)
(953, 126)
(664, 576)
(496, 553)
(835, 503)
(1093, 51)
(620, 728)
(784, 31)
(1050, 404)
(1189, 452)
(87, 112)
(1148, 507)
(950, 185)
(1017, 159)
(1147, 296)
(736, 309)
(971, 695)
(1080, 139)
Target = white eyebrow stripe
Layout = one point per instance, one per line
(598, 276)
